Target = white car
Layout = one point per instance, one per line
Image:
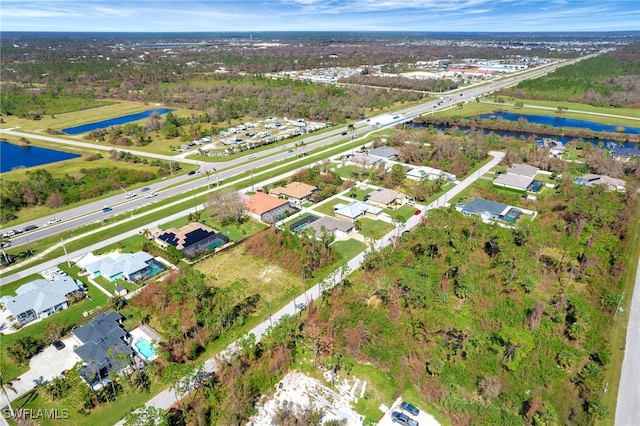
(129, 195)
(199, 172)
(52, 221)
(150, 195)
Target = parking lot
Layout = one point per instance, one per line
(423, 419)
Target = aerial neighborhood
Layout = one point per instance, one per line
(319, 228)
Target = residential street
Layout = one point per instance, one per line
(627, 409)
(167, 398)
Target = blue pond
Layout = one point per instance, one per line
(114, 121)
(557, 121)
(12, 156)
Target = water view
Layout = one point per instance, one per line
(557, 121)
(114, 121)
(13, 156)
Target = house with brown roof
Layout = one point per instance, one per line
(296, 192)
(607, 182)
(384, 197)
(267, 208)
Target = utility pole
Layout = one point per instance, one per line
(65, 252)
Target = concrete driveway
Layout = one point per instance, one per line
(45, 366)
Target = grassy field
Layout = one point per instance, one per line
(327, 207)
(348, 249)
(373, 228)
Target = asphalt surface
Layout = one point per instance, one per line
(628, 405)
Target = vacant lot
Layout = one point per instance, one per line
(255, 275)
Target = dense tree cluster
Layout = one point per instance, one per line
(538, 297)
(610, 80)
(40, 188)
(192, 312)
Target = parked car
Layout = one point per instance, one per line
(29, 228)
(53, 220)
(58, 345)
(410, 408)
(403, 419)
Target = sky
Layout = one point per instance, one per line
(320, 15)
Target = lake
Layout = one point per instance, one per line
(557, 121)
(114, 121)
(12, 156)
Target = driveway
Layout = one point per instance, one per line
(423, 418)
(45, 366)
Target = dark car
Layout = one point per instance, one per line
(29, 228)
(58, 345)
(191, 173)
(403, 419)
(410, 408)
(106, 209)
(145, 189)
(344, 133)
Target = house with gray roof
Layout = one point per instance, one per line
(520, 183)
(384, 152)
(524, 170)
(103, 347)
(487, 209)
(355, 210)
(332, 226)
(41, 298)
(607, 182)
(128, 266)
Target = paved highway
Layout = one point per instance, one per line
(93, 212)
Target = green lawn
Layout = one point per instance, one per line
(359, 193)
(327, 207)
(348, 249)
(373, 228)
(405, 212)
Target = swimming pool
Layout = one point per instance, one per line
(145, 348)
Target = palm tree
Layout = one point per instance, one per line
(4, 386)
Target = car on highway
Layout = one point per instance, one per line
(145, 189)
(53, 220)
(403, 419)
(129, 195)
(344, 133)
(29, 228)
(8, 234)
(191, 173)
(5, 244)
(417, 212)
(106, 209)
(150, 195)
(410, 408)
(199, 172)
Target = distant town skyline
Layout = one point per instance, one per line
(320, 15)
